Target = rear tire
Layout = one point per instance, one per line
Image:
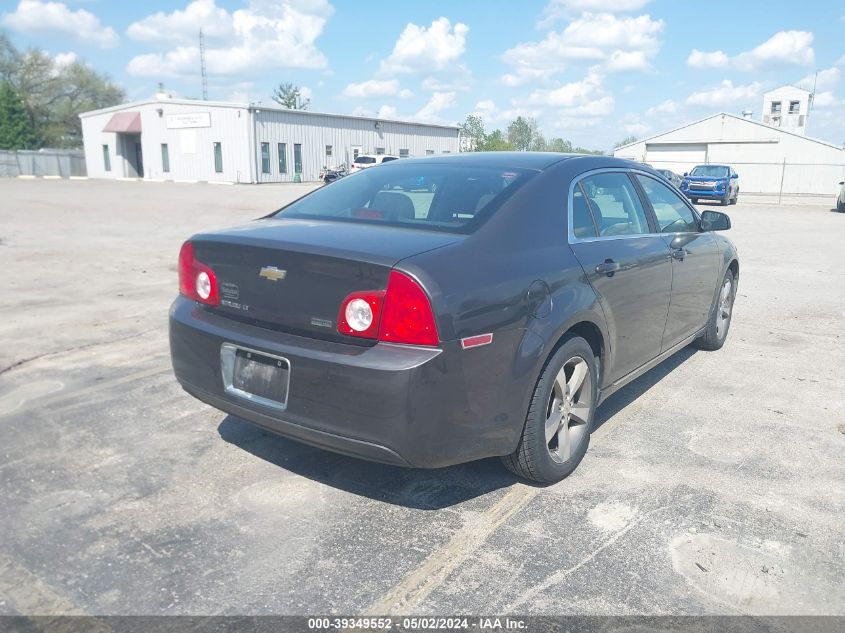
(560, 416)
(719, 322)
(840, 205)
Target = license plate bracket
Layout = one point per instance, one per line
(255, 376)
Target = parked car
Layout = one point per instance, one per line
(364, 161)
(489, 318)
(840, 200)
(671, 176)
(712, 182)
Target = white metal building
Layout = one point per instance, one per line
(767, 159)
(182, 139)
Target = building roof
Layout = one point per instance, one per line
(248, 106)
(733, 116)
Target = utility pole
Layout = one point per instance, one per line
(202, 67)
(810, 104)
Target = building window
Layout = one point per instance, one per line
(218, 158)
(328, 151)
(775, 107)
(297, 158)
(106, 158)
(794, 107)
(165, 158)
(379, 151)
(403, 153)
(429, 152)
(283, 158)
(265, 158)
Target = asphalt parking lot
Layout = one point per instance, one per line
(713, 484)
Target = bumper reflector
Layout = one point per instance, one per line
(476, 341)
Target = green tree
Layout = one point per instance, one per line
(559, 145)
(625, 141)
(523, 133)
(289, 96)
(496, 142)
(16, 129)
(473, 135)
(54, 95)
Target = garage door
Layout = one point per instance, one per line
(677, 157)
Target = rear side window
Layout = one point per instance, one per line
(387, 159)
(365, 160)
(673, 215)
(443, 197)
(615, 205)
(582, 218)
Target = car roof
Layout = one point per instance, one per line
(504, 160)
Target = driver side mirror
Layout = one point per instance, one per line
(686, 173)
(715, 221)
(734, 175)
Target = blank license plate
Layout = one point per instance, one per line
(260, 377)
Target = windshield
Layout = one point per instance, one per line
(421, 195)
(710, 171)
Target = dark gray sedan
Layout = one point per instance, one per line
(441, 310)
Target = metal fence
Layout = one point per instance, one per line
(46, 162)
(780, 178)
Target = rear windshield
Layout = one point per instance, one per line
(710, 171)
(364, 160)
(423, 195)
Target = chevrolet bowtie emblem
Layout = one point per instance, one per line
(271, 273)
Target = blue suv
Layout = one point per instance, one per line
(712, 182)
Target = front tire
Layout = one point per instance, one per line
(560, 416)
(694, 200)
(719, 322)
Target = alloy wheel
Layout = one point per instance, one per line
(568, 412)
(723, 316)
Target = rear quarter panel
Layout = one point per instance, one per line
(484, 284)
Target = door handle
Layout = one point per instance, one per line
(608, 267)
(679, 254)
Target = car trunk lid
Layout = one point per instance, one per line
(292, 275)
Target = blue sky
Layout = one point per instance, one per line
(591, 71)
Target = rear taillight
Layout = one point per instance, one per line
(197, 281)
(400, 314)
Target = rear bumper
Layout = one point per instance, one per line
(410, 406)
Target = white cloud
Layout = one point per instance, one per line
(63, 60)
(700, 59)
(34, 16)
(362, 111)
(840, 61)
(425, 49)
(458, 81)
(665, 107)
(375, 88)
(620, 41)
(627, 60)
(637, 129)
(784, 48)
(725, 94)
(492, 115)
(182, 26)
(263, 36)
(559, 9)
(387, 112)
(825, 100)
(571, 94)
(431, 110)
(823, 80)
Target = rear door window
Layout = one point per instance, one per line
(615, 204)
(673, 214)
